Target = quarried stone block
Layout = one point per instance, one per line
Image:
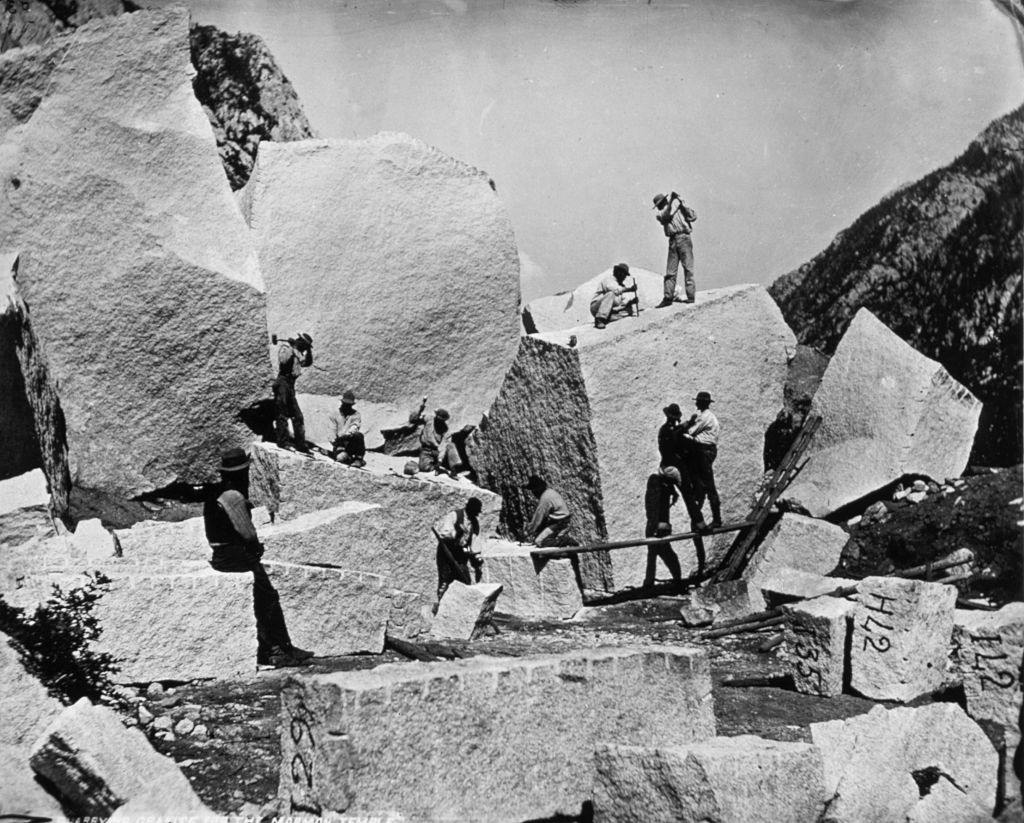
(482, 739)
(797, 542)
(464, 610)
(815, 645)
(988, 653)
(531, 589)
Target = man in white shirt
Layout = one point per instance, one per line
(455, 533)
(703, 429)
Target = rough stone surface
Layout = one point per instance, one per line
(785, 585)
(19, 449)
(945, 803)
(815, 645)
(332, 611)
(98, 765)
(797, 542)
(317, 409)
(902, 631)
(27, 706)
(719, 602)
(20, 792)
(586, 418)
(464, 610)
(886, 411)
(385, 740)
(988, 650)
(383, 522)
(198, 623)
(443, 262)
(869, 759)
(531, 589)
(158, 801)
(24, 508)
(94, 541)
(566, 310)
(106, 140)
(743, 779)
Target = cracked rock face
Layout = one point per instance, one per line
(135, 264)
(887, 411)
(586, 416)
(414, 245)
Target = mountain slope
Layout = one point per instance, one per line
(939, 261)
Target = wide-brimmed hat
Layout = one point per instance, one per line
(302, 337)
(703, 397)
(620, 270)
(348, 396)
(442, 414)
(535, 482)
(672, 473)
(673, 410)
(234, 460)
(660, 200)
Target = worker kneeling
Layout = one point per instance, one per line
(550, 522)
(616, 297)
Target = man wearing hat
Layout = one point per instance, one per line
(551, 517)
(677, 220)
(702, 431)
(660, 496)
(677, 451)
(437, 452)
(615, 297)
(348, 444)
(237, 548)
(292, 355)
(456, 532)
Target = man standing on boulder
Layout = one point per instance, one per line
(702, 430)
(455, 533)
(292, 355)
(551, 518)
(677, 220)
(615, 297)
(348, 444)
(237, 548)
(659, 498)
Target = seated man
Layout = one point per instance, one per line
(551, 518)
(455, 533)
(615, 297)
(437, 452)
(348, 444)
(236, 548)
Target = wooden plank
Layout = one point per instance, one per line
(568, 551)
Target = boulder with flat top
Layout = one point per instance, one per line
(532, 589)
(797, 542)
(585, 418)
(815, 644)
(887, 411)
(424, 264)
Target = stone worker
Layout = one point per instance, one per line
(616, 296)
(551, 518)
(292, 355)
(236, 548)
(677, 220)
(437, 452)
(455, 533)
(348, 444)
(659, 498)
(703, 430)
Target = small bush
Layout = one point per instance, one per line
(55, 643)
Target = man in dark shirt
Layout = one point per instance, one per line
(676, 450)
(237, 548)
(659, 498)
(293, 355)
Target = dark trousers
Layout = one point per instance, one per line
(350, 445)
(287, 406)
(665, 552)
(450, 568)
(704, 463)
(271, 631)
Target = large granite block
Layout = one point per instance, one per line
(871, 760)
(743, 779)
(887, 411)
(98, 765)
(531, 589)
(27, 706)
(902, 631)
(332, 611)
(797, 542)
(482, 739)
(143, 328)
(815, 644)
(988, 650)
(586, 417)
(424, 263)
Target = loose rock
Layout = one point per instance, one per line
(184, 727)
(465, 611)
(797, 542)
(719, 602)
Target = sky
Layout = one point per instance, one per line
(779, 122)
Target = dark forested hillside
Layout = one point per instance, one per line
(940, 262)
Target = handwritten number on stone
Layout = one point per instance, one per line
(881, 609)
(879, 644)
(878, 623)
(1002, 680)
(806, 653)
